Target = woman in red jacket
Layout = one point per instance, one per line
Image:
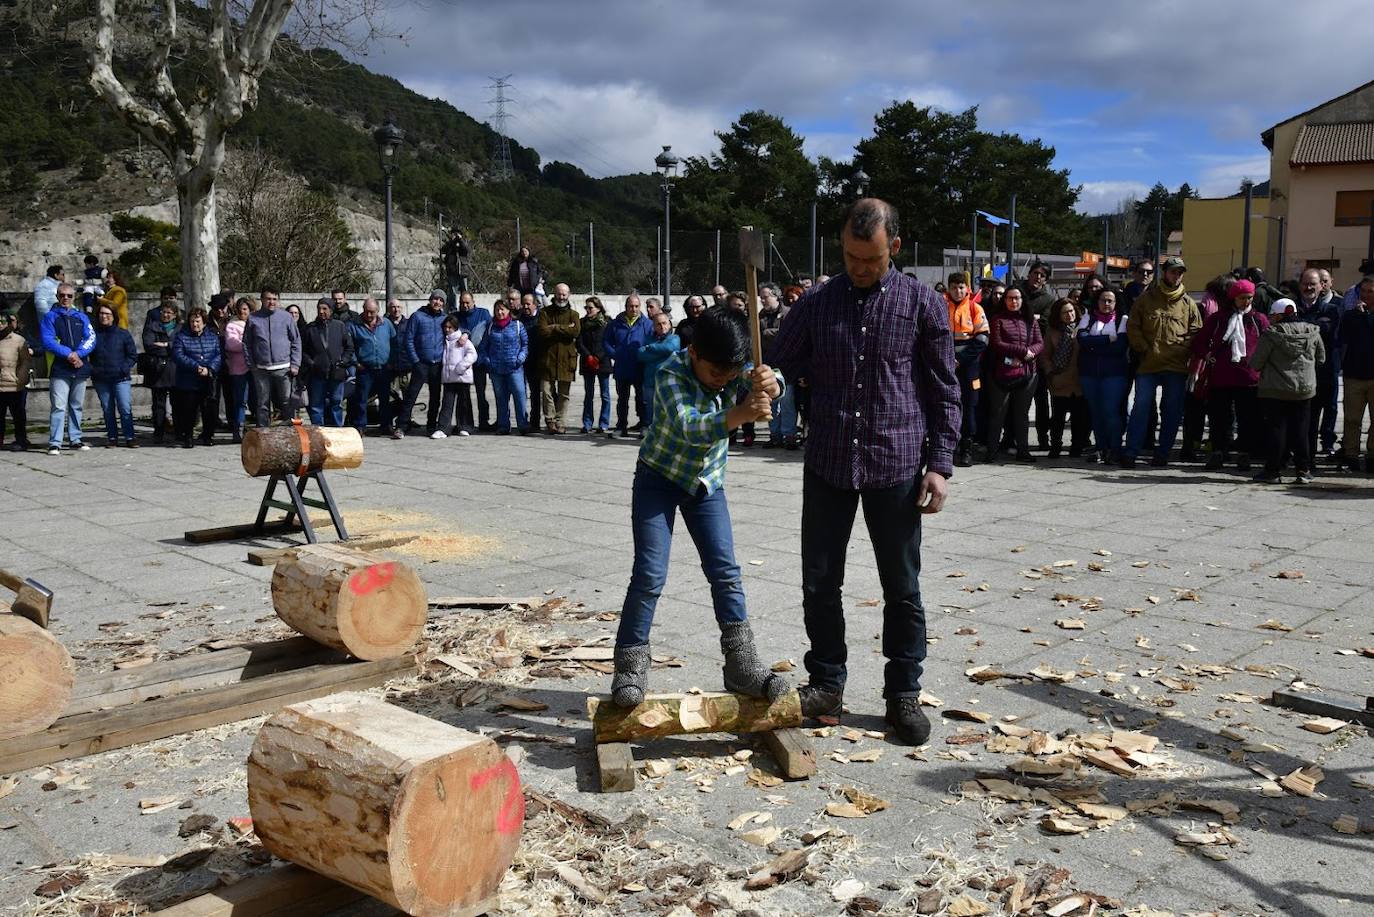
(1228, 339)
(1014, 345)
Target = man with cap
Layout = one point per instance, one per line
(1160, 328)
(423, 345)
(15, 362)
(1322, 310)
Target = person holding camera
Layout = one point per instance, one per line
(454, 254)
(328, 349)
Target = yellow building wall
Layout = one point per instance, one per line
(1213, 236)
(1312, 231)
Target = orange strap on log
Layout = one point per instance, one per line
(305, 448)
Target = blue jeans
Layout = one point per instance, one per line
(784, 422)
(67, 395)
(507, 386)
(894, 527)
(1104, 397)
(372, 381)
(1175, 387)
(590, 382)
(326, 400)
(654, 505)
(238, 400)
(116, 395)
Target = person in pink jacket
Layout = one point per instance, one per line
(1226, 342)
(236, 364)
(456, 377)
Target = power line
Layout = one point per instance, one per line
(501, 154)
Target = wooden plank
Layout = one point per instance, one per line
(310, 654)
(1358, 710)
(242, 530)
(266, 557)
(793, 752)
(484, 601)
(224, 660)
(89, 733)
(286, 890)
(616, 763)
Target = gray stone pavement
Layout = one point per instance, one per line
(104, 528)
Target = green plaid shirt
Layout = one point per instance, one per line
(688, 439)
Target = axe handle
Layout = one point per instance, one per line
(751, 292)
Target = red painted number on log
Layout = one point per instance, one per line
(512, 813)
(372, 579)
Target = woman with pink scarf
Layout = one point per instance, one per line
(1228, 340)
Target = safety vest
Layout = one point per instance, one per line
(966, 319)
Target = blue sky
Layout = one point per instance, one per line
(1127, 93)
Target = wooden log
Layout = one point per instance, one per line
(350, 600)
(266, 557)
(616, 764)
(36, 676)
(793, 752)
(417, 813)
(277, 450)
(687, 714)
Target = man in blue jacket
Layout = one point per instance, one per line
(475, 320)
(374, 338)
(67, 335)
(629, 332)
(423, 343)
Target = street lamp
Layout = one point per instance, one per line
(389, 138)
(1280, 221)
(861, 182)
(667, 165)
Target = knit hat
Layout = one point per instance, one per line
(1174, 261)
(1281, 306)
(1240, 288)
(436, 293)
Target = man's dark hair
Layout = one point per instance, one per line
(1254, 275)
(168, 291)
(957, 277)
(1367, 266)
(90, 259)
(54, 270)
(867, 215)
(1367, 278)
(1038, 264)
(269, 288)
(332, 292)
(721, 336)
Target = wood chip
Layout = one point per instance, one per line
(867, 757)
(964, 906)
(511, 702)
(1070, 623)
(781, 868)
(1127, 741)
(1055, 824)
(1067, 906)
(1275, 624)
(971, 716)
(761, 837)
(846, 890)
(1325, 725)
(157, 804)
(1288, 574)
(1109, 760)
(930, 700)
(783, 665)
(866, 801)
(579, 883)
(1347, 824)
(1229, 811)
(739, 821)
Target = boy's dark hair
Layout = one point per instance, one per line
(168, 291)
(957, 277)
(269, 288)
(54, 270)
(90, 259)
(721, 336)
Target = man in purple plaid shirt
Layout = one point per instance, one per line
(875, 346)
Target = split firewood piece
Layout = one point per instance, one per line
(350, 600)
(417, 813)
(1303, 781)
(1325, 725)
(793, 752)
(616, 763)
(36, 676)
(684, 714)
(779, 869)
(278, 450)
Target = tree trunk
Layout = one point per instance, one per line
(199, 234)
(36, 676)
(277, 450)
(350, 600)
(684, 714)
(417, 813)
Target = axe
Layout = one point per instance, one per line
(32, 600)
(751, 253)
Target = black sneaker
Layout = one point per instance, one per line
(1215, 461)
(1267, 477)
(819, 703)
(1025, 458)
(1159, 461)
(962, 459)
(1127, 461)
(1304, 477)
(908, 720)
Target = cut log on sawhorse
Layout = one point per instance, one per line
(1353, 709)
(662, 715)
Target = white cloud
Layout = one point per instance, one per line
(1222, 177)
(1104, 196)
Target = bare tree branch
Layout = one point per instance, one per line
(152, 125)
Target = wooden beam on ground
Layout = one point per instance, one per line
(793, 752)
(243, 530)
(197, 672)
(484, 601)
(287, 890)
(89, 733)
(689, 714)
(1354, 709)
(266, 557)
(616, 764)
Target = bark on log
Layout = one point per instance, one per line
(36, 676)
(350, 600)
(685, 714)
(417, 813)
(277, 450)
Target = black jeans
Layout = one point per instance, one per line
(1042, 416)
(1238, 408)
(457, 395)
(894, 525)
(1061, 408)
(622, 403)
(161, 396)
(14, 403)
(1322, 414)
(532, 380)
(479, 383)
(1286, 426)
(1012, 407)
(186, 403)
(421, 375)
(969, 386)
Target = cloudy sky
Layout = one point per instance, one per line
(1129, 93)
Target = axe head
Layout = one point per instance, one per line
(33, 600)
(751, 248)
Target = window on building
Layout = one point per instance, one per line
(1352, 207)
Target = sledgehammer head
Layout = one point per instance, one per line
(32, 599)
(751, 248)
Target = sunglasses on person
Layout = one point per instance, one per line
(66, 296)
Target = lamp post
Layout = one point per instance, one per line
(667, 165)
(861, 182)
(389, 138)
